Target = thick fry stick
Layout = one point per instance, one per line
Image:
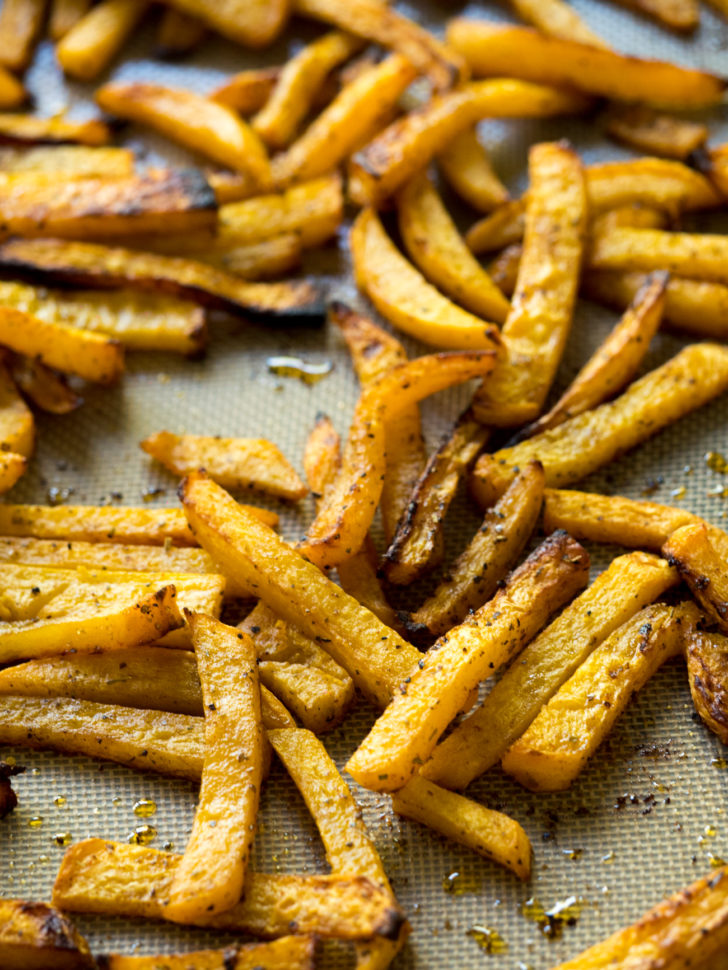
(34, 936)
(64, 15)
(247, 91)
(93, 42)
(178, 34)
(656, 134)
(56, 161)
(12, 466)
(707, 657)
(17, 429)
(557, 19)
(12, 92)
(705, 571)
(697, 256)
(29, 129)
(21, 22)
(46, 388)
(682, 15)
(465, 164)
(285, 953)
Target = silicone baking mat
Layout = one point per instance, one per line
(648, 814)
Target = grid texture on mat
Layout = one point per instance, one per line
(617, 855)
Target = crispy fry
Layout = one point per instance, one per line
(254, 23)
(707, 656)
(322, 455)
(355, 115)
(572, 725)
(501, 228)
(195, 122)
(634, 215)
(465, 164)
(247, 91)
(34, 936)
(539, 319)
(491, 834)
(481, 740)
(504, 268)
(90, 264)
(697, 560)
(478, 571)
(107, 877)
(12, 93)
(498, 49)
(90, 46)
(656, 134)
(697, 256)
(178, 34)
(74, 161)
(31, 130)
(285, 953)
(557, 19)
(231, 186)
(12, 466)
(64, 15)
(21, 22)
(435, 245)
(682, 15)
(405, 735)
(588, 441)
(16, 422)
(417, 544)
(408, 144)
(265, 260)
(713, 163)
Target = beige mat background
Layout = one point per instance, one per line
(632, 829)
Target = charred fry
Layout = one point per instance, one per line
(34, 936)
(697, 560)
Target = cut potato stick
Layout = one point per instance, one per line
(653, 133)
(12, 92)
(59, 161)
(21, 22)
(247, 91)
(193, 121)
(707, 657)
(285, 953)
(379, 169)
(297, 591)
(417, 544)
(502, 49)
(17, 429)
(31, 130)
(65, 14)
(480, 741)
(465, 164)
(614, 363)
(690, 929)
(568, 730)
(209, 878)
(232, 462)
(682, 15)
(426, 704)
(90, 264)
(405, 298)
(435, 245)
(297, 86)
(355, 115)
(44, 387)
(478, 571)
(347, 512)
(12, 466)
(114, 878)
(590, 440)
(539, 320)
(490, 834)
(697, 560)
(697, 256)
(254, 23)
(178, 34)
(557, 19)
(91, 44)
(34, 936)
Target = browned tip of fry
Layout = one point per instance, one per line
(707, 657)
(8, 798)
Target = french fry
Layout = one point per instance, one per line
(91, 264)
(417, 544)
(431, 697)
(707, 657)
(247, 91)
(193, 121)
(285, 953)
(682, 15)
(504, 268)
(34, 936)
(232, 462)
(231, 186)
(44, 387)
(405, 298)
(75, 161)
(91, 44)
(379, 169)
(480, 741)
(17, 429)
(435, 245)
(483, 565)
(588, 441)
(178, 34)
(503, 227)
(713, 163)
(254, 23)
(12, 92)
(697, 560)
(297, 86)
(30, 130)
(65, 14)
(571, 726)
(557, 19)
(502, 49)
(688, 929)
(654, 133)
(265, 260)
(12, 466)
(693, 255)
(635, 216)
(491, 834)
(465, 164)
(539, 320)
(21, 22)
(355, 115)
(614, 363)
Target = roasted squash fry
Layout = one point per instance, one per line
(572, 725)
(503, 227)
(89, 264)
(406, 733)
(653, 133)
(255, 23)
(707, 656)
(694, 255)
(286, 953)
(697, 560)
(356, 115)
(635, 215)
(232, 462)
(44, 387)
(61, 161)
(16, 421)
(502, 49)
(21, 22)
(713, 163)
(12, 93)
(12, 466)
(588, 441)
(557, 19)
(435, 245)
(64, 15)
(92, 43)
(465, 164)
(34, 936)
(195, 122)
(481, 740)
(107, 877)
(683, 15)
(247, 91)
(539, 320)
(31, 130)
(178, 34)
(504, 269)
(478, 571)
(231, 186)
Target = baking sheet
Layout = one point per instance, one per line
(635, 826)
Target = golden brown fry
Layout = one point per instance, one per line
(498, 49)
(265, 260)
(21, 22)
(557, 19)
(539, 320)
(379, 169)
(547, 662)
(465, 164)
(682, 15)
(64, 15)
(702, 567)
(34, 936)
(178, 34)
(45, 388)
(405, 734)
(588, 441)
(247, 91)
(17, 430)
(707, 657)
(504, 268)
(478, 571)
(254, 23)
(285, 953)
(8, 798)
(231, 186)
(355, 115)
(60, 161)
(31, 130)
(434, 243)
(91, 264)
(12, 94)
(12, 466)
(501, 228)
(93, 42)
(653, 133)
(635, 215)
(693, 255)
(195, 122)
(713, 163)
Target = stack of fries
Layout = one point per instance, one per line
(111, 642)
